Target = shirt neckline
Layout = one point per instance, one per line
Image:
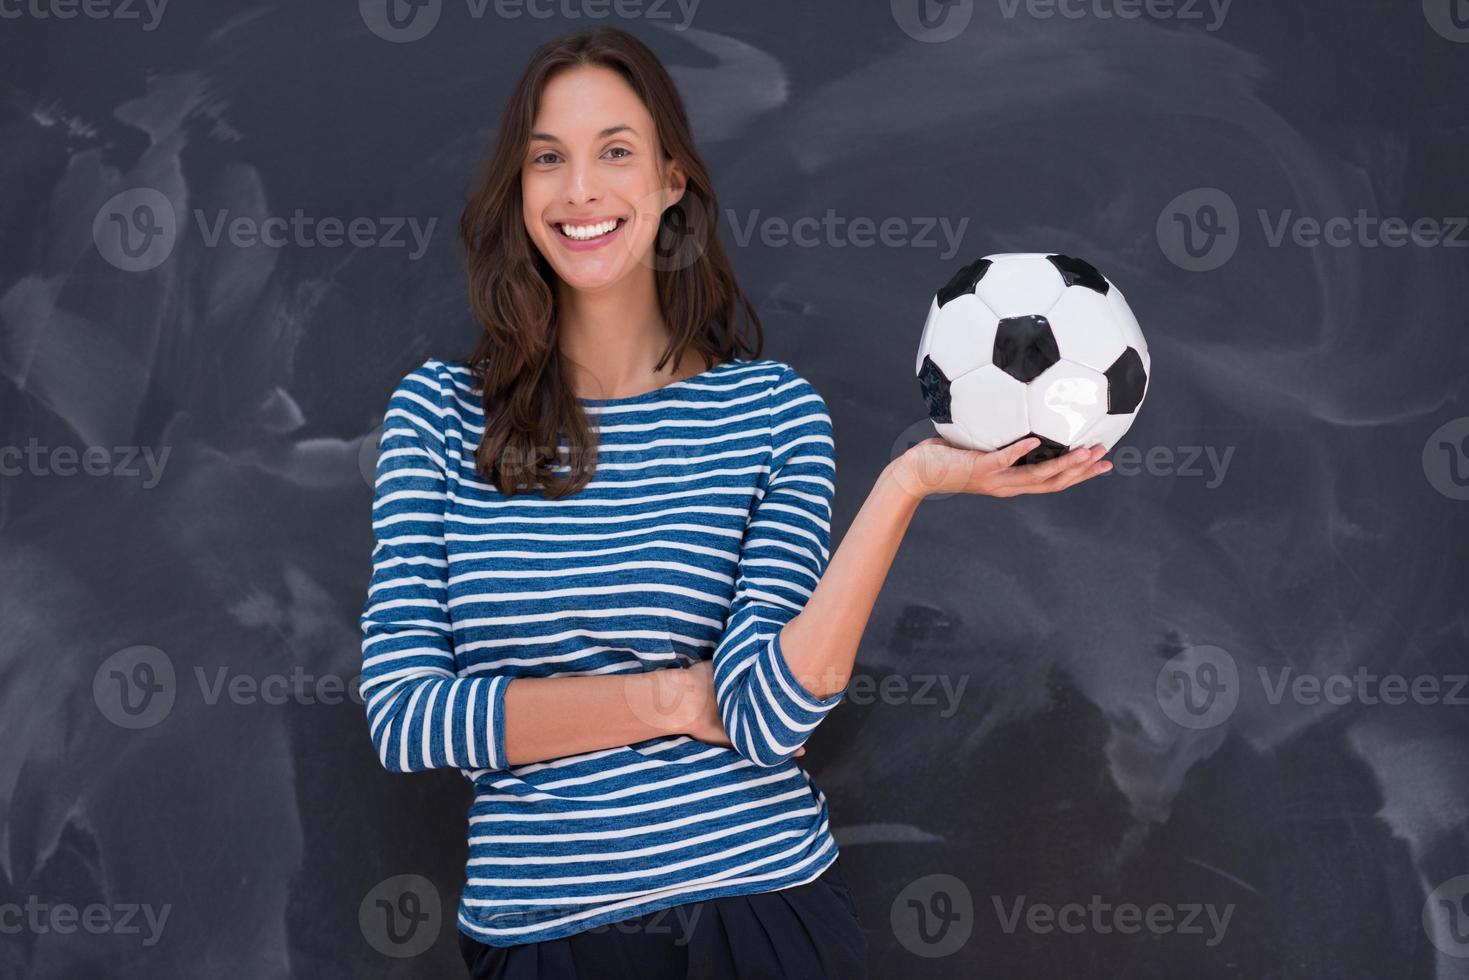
(647, 395)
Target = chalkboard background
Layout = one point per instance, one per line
(1201, 717)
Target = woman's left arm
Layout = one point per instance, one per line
(820, 643)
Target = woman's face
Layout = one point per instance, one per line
(593, 164)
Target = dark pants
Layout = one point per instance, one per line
(809, 932)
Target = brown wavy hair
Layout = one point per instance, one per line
(528, 402)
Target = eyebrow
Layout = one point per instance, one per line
(609, 131)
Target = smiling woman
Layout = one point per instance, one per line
(590, 533)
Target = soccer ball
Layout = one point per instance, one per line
(1024, 344)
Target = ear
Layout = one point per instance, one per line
(676, 181)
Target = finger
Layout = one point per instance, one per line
(1003, 459)
(1081, 476)
(1070, 478)
(1080, 465)
(1034, 474)
(1072, 463)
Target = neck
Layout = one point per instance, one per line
(610, 338)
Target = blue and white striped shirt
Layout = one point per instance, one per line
(703, 531)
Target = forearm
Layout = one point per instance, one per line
(820, 643)
(551, 717)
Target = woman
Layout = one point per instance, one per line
(599, 542)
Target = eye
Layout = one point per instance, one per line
(541, 158)
(623, 149)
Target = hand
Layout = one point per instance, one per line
(935, 466)
(702, 720)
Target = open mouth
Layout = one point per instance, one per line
(590, 233)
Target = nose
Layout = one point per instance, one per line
(581, 183)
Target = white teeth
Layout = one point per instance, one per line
(583, 232)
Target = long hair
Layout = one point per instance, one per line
(528, 402)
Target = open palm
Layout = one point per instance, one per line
(935, 466)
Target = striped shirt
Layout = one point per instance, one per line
(703, 531)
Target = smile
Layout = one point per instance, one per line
(586, 233)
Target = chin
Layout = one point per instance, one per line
(589, 282)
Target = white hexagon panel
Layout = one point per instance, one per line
(1015, 285)
(988, 409)
(963, 337)
(1086, 330)
(1064, 400)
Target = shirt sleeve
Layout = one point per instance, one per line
(767, 712)
(421, 714)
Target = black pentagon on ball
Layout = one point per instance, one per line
(1126, 379)
(1024, 347)
(1078, 272)
(935, 390)
(963, 281)
(1048, 449)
